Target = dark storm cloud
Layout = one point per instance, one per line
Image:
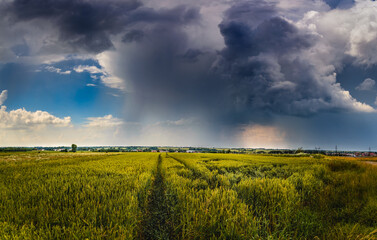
(182, 14)
(133, 36)
(192, 55)
(250, 28)
(262, 72)
(274, 35)
(81, 24)
(265, 71)
(88, 25)
(20, 50)
(251, 13)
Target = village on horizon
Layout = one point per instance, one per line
(172, 149)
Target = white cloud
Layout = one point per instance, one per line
(113, 82)
(353, 104)
(90, 69)
(108, 130)
(103, 122)
(22, 119)
(27, 128)
(366, 85)
(342, 99)
(91, 85)
(57, 70)
(344, 32)
(284, 85)
(23, 128)
(339, 33)
(107, 76)
(3, 96)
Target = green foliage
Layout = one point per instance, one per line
(74, 147)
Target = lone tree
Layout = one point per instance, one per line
(74, 147)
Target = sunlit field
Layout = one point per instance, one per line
(186, 196)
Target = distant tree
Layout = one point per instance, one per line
(74, 147)
(275, 152)
(299, 150)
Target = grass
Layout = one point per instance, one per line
(186, 196)
(74, 196)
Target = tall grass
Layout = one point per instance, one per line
(186, 196)
(202, 212)
(295, 198)
(74, 197)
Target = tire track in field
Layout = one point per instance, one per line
(196, 173)
(212, 183)
(156, 222)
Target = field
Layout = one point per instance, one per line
(186, 196)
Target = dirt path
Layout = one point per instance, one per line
(157, 217)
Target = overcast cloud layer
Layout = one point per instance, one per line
(220, 73)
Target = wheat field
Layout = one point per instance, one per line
(186, 196)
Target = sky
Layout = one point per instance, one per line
(213, 73)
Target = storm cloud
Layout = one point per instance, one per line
(269, 66)
(269, 69)
(88, 26)
(227, 64)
